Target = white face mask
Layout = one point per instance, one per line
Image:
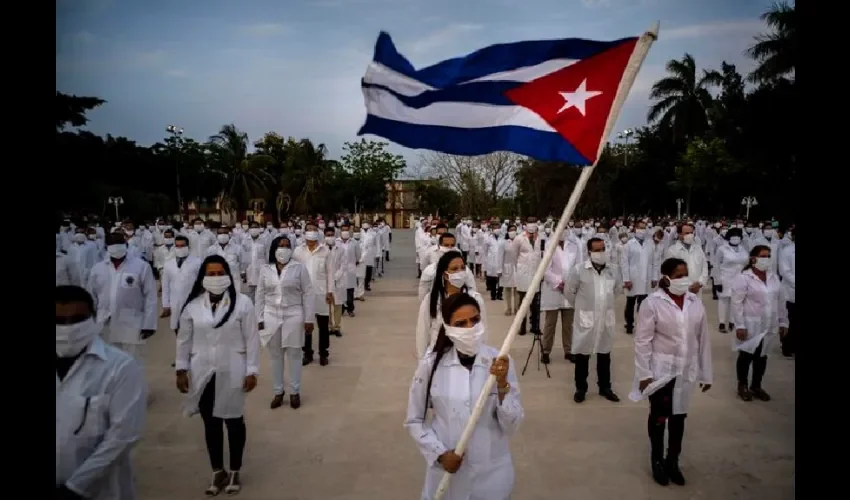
(199, 227)
(548, 230)
(92, 236)
(511, 234)
(245, 227)
(443, 250)
(640, 233)
(687, 239)
(80, 237)
(768, 233)
(117, 251)
(344, 235)
(762, 264)
(623, 240)
(679, 286)
(497, 231)
(168, 241)
(283, 254)
(466, 340)
(366, 226)
(223, 239)
(457, 279)
(140, 231)
(254, 231)
(72, 339)
(181, 252)
(356, 236)
(216, 285)
(433, 240)
(735, 241)
(531, 228)
(599, 258)
(321, 226)
(330, 240)
(311, 236)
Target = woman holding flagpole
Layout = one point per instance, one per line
(449, 379)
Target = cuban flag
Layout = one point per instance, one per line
(547, 99)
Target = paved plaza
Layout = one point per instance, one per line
(347, 441)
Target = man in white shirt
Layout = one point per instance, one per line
(689, 250)
(100, 405)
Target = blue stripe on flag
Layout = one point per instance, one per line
(544, 146)
(489, 60)
(477, 92)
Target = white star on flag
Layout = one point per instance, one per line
(578, 98)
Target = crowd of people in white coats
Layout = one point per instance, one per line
(665, 267)
(227, 291)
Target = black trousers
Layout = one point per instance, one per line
(214, 432)
(661, 416)
(758, 362)
(368, 283)
(323, 324)
(534, 313)
(632, 304)
(603, 371)
(493, 287)
(349, 300)
(387, 255)
(789, 343)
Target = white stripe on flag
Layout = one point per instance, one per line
(527, 73)
(383, 104)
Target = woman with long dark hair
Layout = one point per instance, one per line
(285, 308)
(217, 364)
(449, 379)
(672, 355)
(759, 312)
(449, 279)
(730, 258)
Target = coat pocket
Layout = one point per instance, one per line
(585, 319)
(238, 368)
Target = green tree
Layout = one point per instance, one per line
(71, 109)
(683, 99)
(244, 175)
(369, 167)
(776, 51)
(435, 198)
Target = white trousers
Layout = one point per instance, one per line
(724, 311)
(360, 289)
(279, 357)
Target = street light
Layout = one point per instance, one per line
(177, 133)
(749, 202)
(117, 200)
(626, 135)
(679, 202)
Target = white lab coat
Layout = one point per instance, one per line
(729, 262)
(552, 299)
(528, 257)
(487, 472)
(284, 302)
(695, 259)
(336, 274)
(100, 415)
(85, 256)
(638, 264)
(788, 271)
(125, 299)
(161, 255)
(672, 343)
(232, 253)
(493, 255)
(760, 308)
(255, 256)
(177, 284)
(427, 328)
(351, 256)
(592, 295)
(67, 272)
(318, 264)
(508, 279)
(231, 352)
(426, 281)
(369, 242)
(360, 271)
(200, 242)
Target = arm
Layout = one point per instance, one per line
(252, 339)
(785, 268)
(718, 262)
(425, 284)
(739, 294)
(259, 297)
(166, 288)
(644, 334)
(571, 286)
(706, 372)
(184, 339)
(423, 329)
(308, 302)
(149, 313)
(127, 406)
(509, 412)
(782, 308)
(426, 439)
(552, 278)
(703, 274)
(624, 263)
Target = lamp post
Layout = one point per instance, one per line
(679, 202)
(749, 202)
(177, 133)
(117, 200)
(625, 135)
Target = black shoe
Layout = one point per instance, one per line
(306, 360)
(544, 358)
(722, 328)
(673, 471)
(578, 397)
(337, 333)
(570, 357)
(731, 327)
(323, 361)
(659, 473)
(609, 395)
(522, 333)
(630, 330)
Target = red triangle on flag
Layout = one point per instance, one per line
(577, 100)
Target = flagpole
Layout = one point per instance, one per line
(629, 75)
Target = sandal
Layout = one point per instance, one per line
(234, 486)
(219, 480)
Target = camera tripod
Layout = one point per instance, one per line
(538, 340)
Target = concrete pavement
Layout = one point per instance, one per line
(347, 441)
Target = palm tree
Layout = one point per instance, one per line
(244, 175)
(776, 51)
(307, 165)
(683, 98)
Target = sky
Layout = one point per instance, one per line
(294, 66)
